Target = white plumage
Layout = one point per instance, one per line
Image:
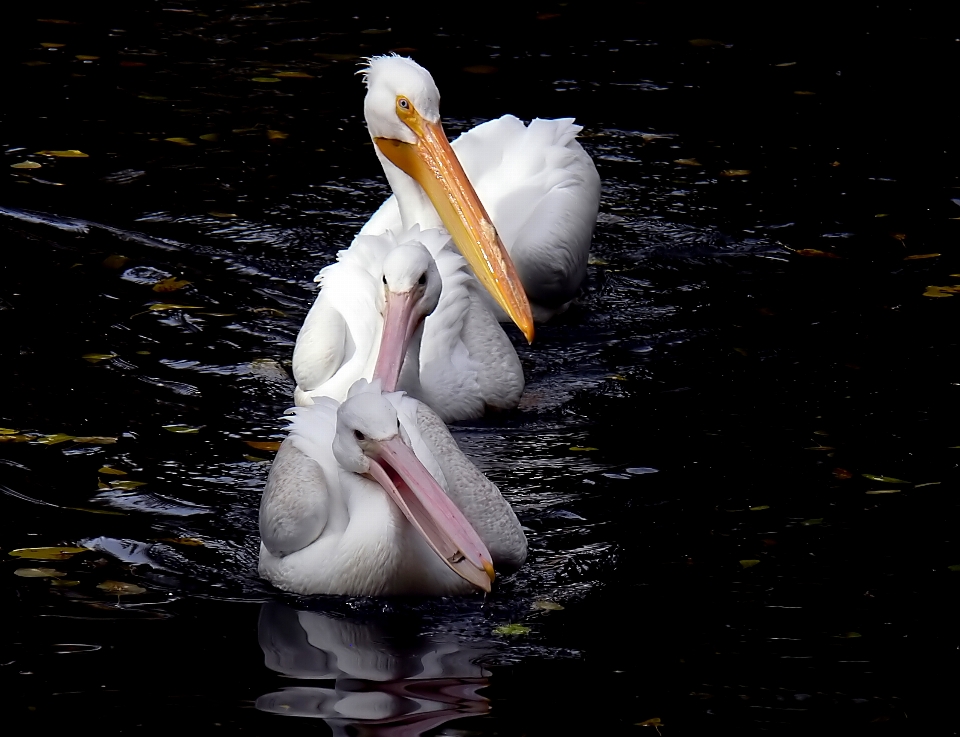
(329, 523)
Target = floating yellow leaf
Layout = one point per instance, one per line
(883, 491)
(64, 582)
(52, 45)
(96, 510)
(655, 722)
(264, 444)
(815, 253)
(809, 522)
(170, 284)
(265, 79)
(917, 256)
(210, 137)
(852, 634)
(582, 448)
(954, 568)
(111, 471)
(180, 141)
(294, 75)
(95, 440)
(933, 291)
(120, 588)
(884, 479)
(152, 97)
(165, 306)
(54, 439)
(218, 214)
(181, 429)
(8, 431)
(687, 162)
(276, 135)
(115, 261)
(95, 357)
(759, 507)
(929, 483)
(549, 606)
(786, 64)
(511, 629)
(87, 57)
(735, 173)
(15, 438)
(70, 153)
(52, 553)
(38, 573)
(749, 563)
(26, 165)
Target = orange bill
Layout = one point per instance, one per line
(435, 167)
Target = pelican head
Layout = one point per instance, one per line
(402, 110)
(411, 291)
(370, 442)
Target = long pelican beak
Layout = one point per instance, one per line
(398, 470)
(399, 324)
(433, 164)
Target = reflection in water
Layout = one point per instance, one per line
(388, 679)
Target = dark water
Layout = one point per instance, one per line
(754, 330)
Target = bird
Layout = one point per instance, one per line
(373, 497)
(539, 186)
(407, 309)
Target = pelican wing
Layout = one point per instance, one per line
(474, 494)
(295, 504)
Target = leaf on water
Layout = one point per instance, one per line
(929, 483)
(64, 582)
(86, 57)
(916, 256)
(933, 291)
(265, 79)
(264, 444)
(549, 606)
(809, 522)
(94, 510)
(188, 541)
(852, 634)
(270, 310)
(687, 162)
(126, 484)
(101, 485)
(511, 629)
(884, 479)
(655, 722)
(115, 261)
(111, 471)
(820, 447)
(954, 568)
(52, 45)
(617, 377)
(842, 473)
(759, 507)
(170, 284)
(38, 573)
(786, 64)
(293, 75)
(596, 261)
(735, 173)
(180, 141)
(8, 431)
(152, 97)
(749, 563)
(95, 440)
(803, 92)
(582, 448)
(95, 357)
(820, 432)
(26, 165)
(210, 137)
(815, 253)
(882, 215)
(52, 553)
(15, 438)
(70, 153)
(218, 214)
(181, 429)
(701, 42)
(120, 588)
(883, 491)
(166, 306)
(276, 135)
(481, 69)
(54, 439)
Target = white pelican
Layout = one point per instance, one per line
(375, 498)
(374, 309)
(540, 188)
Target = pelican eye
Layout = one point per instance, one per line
(384, 279)
(403, 103)
(359, 435)
(423, 279)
